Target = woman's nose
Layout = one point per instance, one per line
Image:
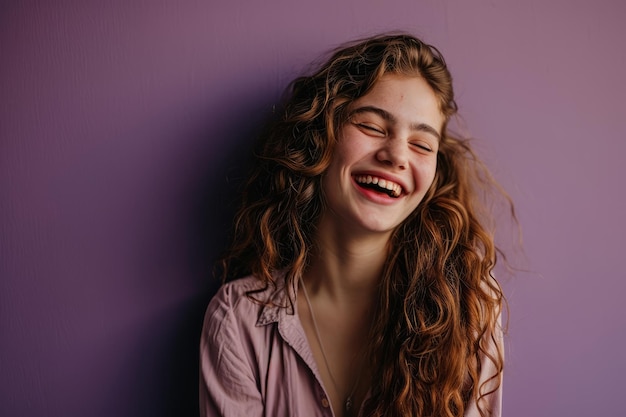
(394, 153)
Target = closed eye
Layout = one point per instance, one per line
(422, 146)
(370, 128)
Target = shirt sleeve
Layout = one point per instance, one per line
(491, 404)
(227, 383)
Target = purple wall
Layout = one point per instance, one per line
(124, 128)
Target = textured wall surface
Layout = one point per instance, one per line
(124, 126)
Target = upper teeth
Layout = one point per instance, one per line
(395, 189)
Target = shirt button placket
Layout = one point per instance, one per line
(325, 402)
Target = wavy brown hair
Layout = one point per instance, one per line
(439, 305)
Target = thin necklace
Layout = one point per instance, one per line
(348, 403)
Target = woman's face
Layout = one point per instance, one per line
(386, 156)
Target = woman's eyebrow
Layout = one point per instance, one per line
(420, 127)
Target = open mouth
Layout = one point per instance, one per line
(380, 185)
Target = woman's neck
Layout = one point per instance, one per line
(344, 267)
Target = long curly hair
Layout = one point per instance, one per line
(439, 304)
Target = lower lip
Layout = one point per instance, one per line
(374, 196)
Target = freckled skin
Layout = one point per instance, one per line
(393, 132)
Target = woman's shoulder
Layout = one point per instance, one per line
(234, 295)
(235, 289)
(230, 312)
(236, 316)
(243, 300)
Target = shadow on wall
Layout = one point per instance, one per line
(224, 168)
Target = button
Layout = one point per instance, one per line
(325, 402)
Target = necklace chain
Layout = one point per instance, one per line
(348, 403)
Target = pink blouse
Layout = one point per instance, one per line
(255, 360)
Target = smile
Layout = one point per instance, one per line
(379, 184)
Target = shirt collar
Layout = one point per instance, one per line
(276, 302)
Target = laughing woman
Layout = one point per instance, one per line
(368, 286)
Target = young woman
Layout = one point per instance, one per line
(369, 289)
